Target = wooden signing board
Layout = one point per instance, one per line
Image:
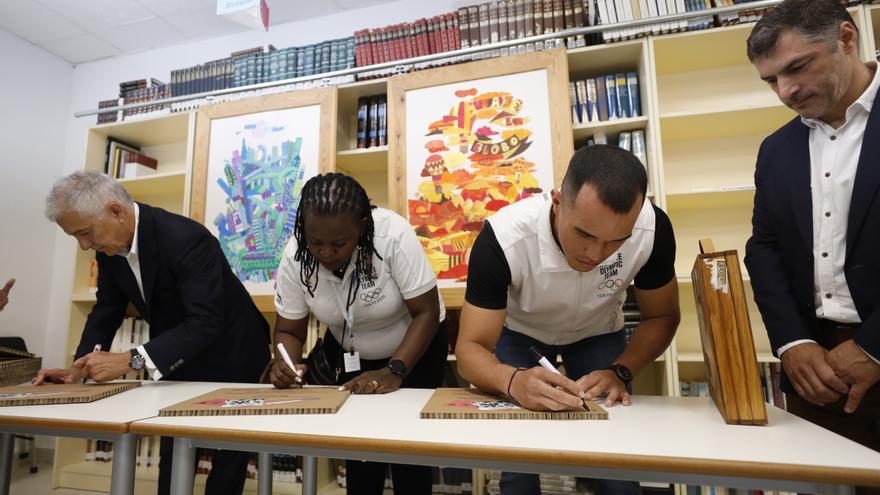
(726, 334)
(255, 401)
(28, 395)
(469, 403)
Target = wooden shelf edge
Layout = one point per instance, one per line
(363, 151)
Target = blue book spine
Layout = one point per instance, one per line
(632, 81)
(623, 103)
(611, 96)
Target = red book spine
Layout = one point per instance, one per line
(399, 49)
(436, 35)
(374, 46)
(410, 44)
(444, 33)
(385, 52)
(425, 42)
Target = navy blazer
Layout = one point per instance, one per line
(204, 325)
(779, 255)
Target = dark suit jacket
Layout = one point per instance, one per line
(779, 255)
(204, 325)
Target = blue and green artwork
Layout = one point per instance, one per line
(261, 185)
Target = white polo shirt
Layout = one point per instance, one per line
(516, 264)
(379, 313)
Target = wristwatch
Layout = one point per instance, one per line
(622, 372)
(397, 367)
(136, 362)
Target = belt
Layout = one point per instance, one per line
(832, 333)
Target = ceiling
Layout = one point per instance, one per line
(85, 30)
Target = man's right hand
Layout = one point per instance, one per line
(59, 375)
(539, 389)
(283, 377)
(812, 377)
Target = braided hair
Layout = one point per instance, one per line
(334, 194)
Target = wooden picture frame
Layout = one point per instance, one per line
(509, 125)
(293, 131)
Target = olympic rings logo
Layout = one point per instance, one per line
(371, 296)
(611, 285)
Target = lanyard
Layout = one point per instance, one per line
(349, 310)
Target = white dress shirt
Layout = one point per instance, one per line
(834, 159)
(134, 263)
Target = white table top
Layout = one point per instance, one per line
(670, 434)
(111, 414)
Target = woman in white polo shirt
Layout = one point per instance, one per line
(361, 270)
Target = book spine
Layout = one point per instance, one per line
(611, 96)
(474, 25)
(464, 27)
(373, 135)
(382, 124)
(632, 82)
(363, 104)
(623, 101)
(601, 98)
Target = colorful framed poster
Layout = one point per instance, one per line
(468, 140)
(251, 160)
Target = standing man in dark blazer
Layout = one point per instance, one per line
(814, 254)
(204, 325)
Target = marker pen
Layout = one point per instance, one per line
(542, 360)
(286, 357)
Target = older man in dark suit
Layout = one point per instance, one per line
(204, 325)
(813, 255)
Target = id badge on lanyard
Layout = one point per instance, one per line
(351, 358)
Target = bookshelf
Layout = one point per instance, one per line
(705, 113)
(713, 111)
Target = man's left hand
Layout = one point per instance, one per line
(855, 368)
(605, 382)
(379, 381)
(104, 366)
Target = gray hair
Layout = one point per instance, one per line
(85, 193)
(813, 20)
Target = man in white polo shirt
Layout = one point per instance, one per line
(552, 273)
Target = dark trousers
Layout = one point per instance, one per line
(368, 478)
(863, 425)
(228, 470)
(580, 358)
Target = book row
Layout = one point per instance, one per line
(609, 97)
(632, 141)
(372, 124)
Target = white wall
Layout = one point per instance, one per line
(35, 101)
(98, 80)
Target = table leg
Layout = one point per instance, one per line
(122, 477)
(182, 473)
(264, 474)
(7, 442)
(310, 475)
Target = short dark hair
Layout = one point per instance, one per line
(813, 20)
(619, 177)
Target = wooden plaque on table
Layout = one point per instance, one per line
(470, 403)
(28, 395)
(265, 400)
(726, 334)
